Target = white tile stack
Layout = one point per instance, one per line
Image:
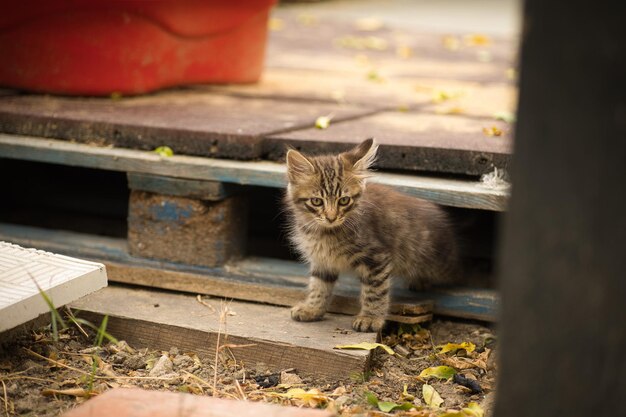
(64, 279)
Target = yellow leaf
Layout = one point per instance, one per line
(441, 372)
(469, 347)
(451, 43)
(306, 19)
(368, 24)
(431, 397)
(312, 397)
(472, 410)
(477, 39)
(164, 151)
(367, 346)
(492, 131)
(323, 122)
(404, 51)
(275, 24)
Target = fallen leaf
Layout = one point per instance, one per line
(505, 116)
(307, 20)
(451, 43)
(404, 51)
(469, 347)
(461, 363)
(450, 110)
(492, 131)
(362, 42)
(386, 406)
(323, 122)
(312, 397)
(431, 397)
(367, 346)
(275, 24)
(477, 39)
(472, 410)
(368, 24)
(441, 372)
(373, 75)
(164, 151)
(440, 96)
(405, 394)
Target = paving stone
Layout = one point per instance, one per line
(121, 402)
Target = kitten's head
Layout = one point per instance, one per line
(325, 190)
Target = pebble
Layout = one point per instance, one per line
(162, 367)
(136, 362)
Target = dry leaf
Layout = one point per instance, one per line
(451, 43)
(404, 51)
(461, 363)
(307, 20)
(441, 372)
(431, 397)
(472, 410)
(312, 398)
(477, 39)
(492, 131)
(323, 122)
(469, 347)
(275, 24)
(368, 24)
(367, 346)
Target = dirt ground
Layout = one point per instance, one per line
(43, 377)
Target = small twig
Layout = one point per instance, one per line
(6, 398)
(30, 378)
(217, 345)
(153, 378)
(73, 320)
(243, 394)
(231, 346)
(204, 303)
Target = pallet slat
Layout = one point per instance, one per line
(457, 193)
(254, 279)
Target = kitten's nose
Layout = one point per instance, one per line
(331, 219)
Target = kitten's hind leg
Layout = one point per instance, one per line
(321, 286)
(374, 300)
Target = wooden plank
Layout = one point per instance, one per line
(202, 190)
(161, 320)
(458, 193)
(412, 141)
(134, 402)
(191, 122)
(255, 279)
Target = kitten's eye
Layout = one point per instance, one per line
(316, 201)
(344, 201)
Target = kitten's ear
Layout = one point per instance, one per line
(363, 156)
(298, 165)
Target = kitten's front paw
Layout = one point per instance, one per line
(368, 323)
(304, 312)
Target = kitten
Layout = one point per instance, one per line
(340, 223)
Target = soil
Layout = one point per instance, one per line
(43, 377)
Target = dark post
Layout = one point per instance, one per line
(563, 263)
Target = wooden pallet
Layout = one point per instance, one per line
(263, 280)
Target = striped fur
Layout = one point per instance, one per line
(340, 223)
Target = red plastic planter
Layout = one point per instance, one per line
(98, 47)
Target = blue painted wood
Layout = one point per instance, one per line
(285, 279)
(200, 189)
(452, 192)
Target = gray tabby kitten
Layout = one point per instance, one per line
(340, 223)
